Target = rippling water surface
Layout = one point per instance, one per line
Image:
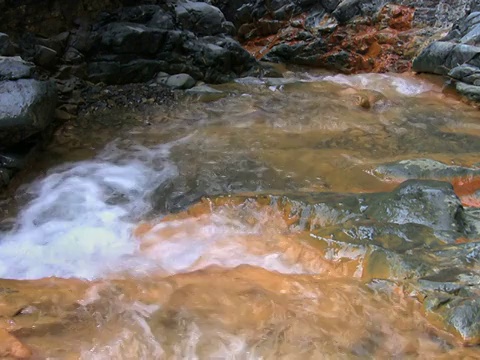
(162, 279)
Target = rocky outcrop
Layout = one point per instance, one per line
(457, 55)
(27, 109)
(347, 36)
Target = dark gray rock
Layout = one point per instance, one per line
(162, 20)
(200, 18)
(14, 68)
(130, 38)
(433, 58)
(430, 203)
(463, 71)
(45, 56)
(26, 107)
(113, 72)
(471, 92)
(6, 46)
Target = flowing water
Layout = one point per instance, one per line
(142, 273)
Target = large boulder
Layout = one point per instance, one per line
(27, 107)
(201, 18)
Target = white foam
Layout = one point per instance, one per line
(400, 84)
(79, 221)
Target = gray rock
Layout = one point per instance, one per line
(424, 169)
(162, 20)
(206, 93)
(57, 42)
(424, 202)
(26, 107)
(131, 38)
(14, 68)
(45, 56)
(200, 18)
(6, 46)
(433, 58)
(471, 92)
(463, 71)
(180, 81)
(114, 72)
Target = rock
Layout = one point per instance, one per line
(162, 20)
(425, 202)
(112, 72)
(206, 93)
(45, 56)
(26, 107)
(200, 18)
(130, 38)
(180, 81)
(14, 68)
(73, 56)
(424, 169)
(6, 46)
(57, 42)
(471, 92)
(463, 71)
(433, 58)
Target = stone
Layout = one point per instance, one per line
(471, 92)
(424, 169)
(45, 56)
(162, 20)
(130, 38)
(200, 18)
(206, 93)
(433, 58)
(73, 56)
(27, 107)
(424, 202)
(57, 42)
(14, 68)
(6, 46)
(180, 81)
(463, 71)
(112, 72)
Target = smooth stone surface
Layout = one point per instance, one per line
(14, 68)
(26, 107)
(180, 81)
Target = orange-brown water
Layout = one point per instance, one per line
(231, 281)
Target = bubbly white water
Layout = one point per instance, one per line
(383, 83)
(80, 219)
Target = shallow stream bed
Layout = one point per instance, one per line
(310, 217)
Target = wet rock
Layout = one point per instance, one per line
(430, 203)
(180, 81)
(206, 93)
(14, 68)
(200, 18)
(471, 92)
(26, 107)
(424, 169)
(433, 58)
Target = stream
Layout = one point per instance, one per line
(172, 236)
